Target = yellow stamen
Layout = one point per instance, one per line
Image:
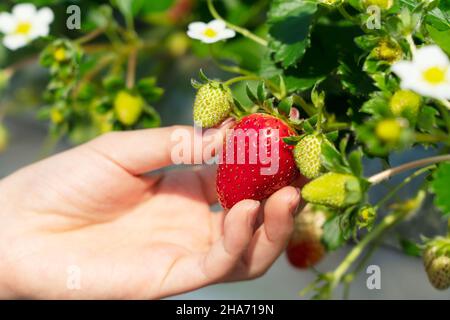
(23, 28)
(60, 54)
(434, 75)
(210, 33)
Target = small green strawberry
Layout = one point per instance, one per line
(405, 103)
(307, 156)
(213, 104)
(382, 4)
(436, 259)
(334, 190)
(388, 51)
(389, 130)
(128, 107)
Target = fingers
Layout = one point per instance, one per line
(221, 259)
(142, 151)
(271, 237)
(207, 176)
(237, 235)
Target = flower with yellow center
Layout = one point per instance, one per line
(60, 54)
(213, 31)
(24, 24)
(427, 74)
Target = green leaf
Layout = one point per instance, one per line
(410, 248)
(355, 162)
(261, 91)
(442, 38)
(128, 8)
(292, 140)
(427, 118)
(440, 187)
(290, 24)
(333, 236)
(251, 95)
(285, 105)
(149, 90)
(332, 159)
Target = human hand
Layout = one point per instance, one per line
(130, 235)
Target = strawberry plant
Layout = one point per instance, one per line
(342, 83)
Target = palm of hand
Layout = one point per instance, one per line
(94, 230)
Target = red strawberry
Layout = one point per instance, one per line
(256, 161)
(305, 248)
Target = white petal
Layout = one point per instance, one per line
(14, 42)
(443, 91)
(430, 56)
(197, 26)
(227, 34)
(210, 39)
(39, 30)
(24, 11)
(403, 69)
(194, 34)
(217, 25)
(7, 23)
(45, 15)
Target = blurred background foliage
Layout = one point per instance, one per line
(71, 79)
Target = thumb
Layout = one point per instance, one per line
(146, 150)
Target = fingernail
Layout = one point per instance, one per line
(294, 200)
(253, 213)
(226, 122)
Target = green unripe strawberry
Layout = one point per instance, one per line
(128, 107)
(332, 189)
(213, 103)
(366, 217)
(382, 4)
(389, 130)
(4, 138)
(406, 104)
(436, 259)
(388, 51)
(307, 156)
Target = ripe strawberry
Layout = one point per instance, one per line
(307, 156)
(305, 248)
(334, 190)
(213, 103)
(436, 259)
(128, 107)
(256, 161)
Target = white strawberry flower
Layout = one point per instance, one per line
(24, 24)
(427, 74)
(213, 31)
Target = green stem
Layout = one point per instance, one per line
(241, 78)
(444, 108)
(309, 109)
(246, 33)
(90, 36)
(387, 222)
(386, 174)
(412, 45)
(351, 276)
(347, 15)
(430, 138)
(403, 183)
(337, 126)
